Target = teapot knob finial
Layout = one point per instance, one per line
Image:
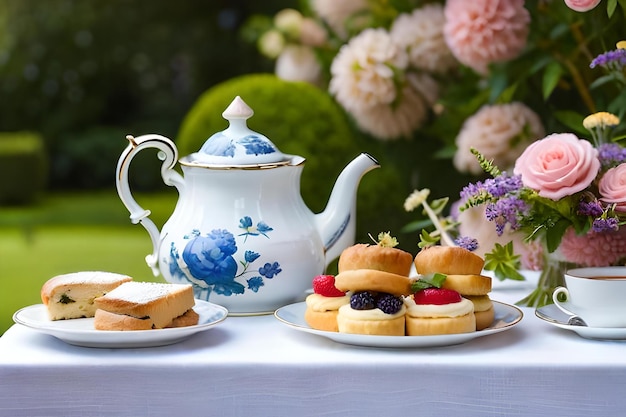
(238, 109)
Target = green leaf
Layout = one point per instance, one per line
(551, 77)
(555, 233)
(428, 281)
(439, 204)
(610, 7)
(427, 239)
(572, 120)
(503, 262)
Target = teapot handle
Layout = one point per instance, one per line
(169, 155)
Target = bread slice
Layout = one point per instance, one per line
(148, 305)
(105, 320)
(72, 296)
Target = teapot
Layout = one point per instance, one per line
(240, 232)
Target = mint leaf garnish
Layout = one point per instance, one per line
(428, 281)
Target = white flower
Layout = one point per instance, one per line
(389, 122)
(271, 43)
(364, 72)
(416, 199)
(337, 13)
(421, 33)
(298, 63)
(500, 132)
(289, 21)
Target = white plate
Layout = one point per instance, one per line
(507, 316)
(551, 314)
(80, 332)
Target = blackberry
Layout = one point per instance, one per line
(389, 303)
(363, 300)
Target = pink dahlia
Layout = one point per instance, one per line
(480, 32)
(421, 33)
(594, 248)
(500, 132)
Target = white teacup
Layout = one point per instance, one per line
(595, 294)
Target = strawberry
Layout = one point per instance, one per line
(325, 285)
(437, 296)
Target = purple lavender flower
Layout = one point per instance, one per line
(472, 191)
(590, 208)
(611, 154)
(503, 185)
(612, 60)
(507, 210)
(605, 225)
(467, 242)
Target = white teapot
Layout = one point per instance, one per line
(240, 232)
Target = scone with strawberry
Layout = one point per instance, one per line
(322, 306)
(463, 271)
(435, 311)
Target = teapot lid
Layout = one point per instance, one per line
(237, 145)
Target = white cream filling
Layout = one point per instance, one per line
(461, 308)
(317, 302)
(373, 314)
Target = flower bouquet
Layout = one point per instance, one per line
(565, 193)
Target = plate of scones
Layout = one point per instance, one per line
(110, 310)
(372, 301)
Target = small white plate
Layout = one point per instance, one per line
(551, 314)
(80, 332)
(506, 316)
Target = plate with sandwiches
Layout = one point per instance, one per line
(82, 332)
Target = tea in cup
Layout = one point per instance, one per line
(595, 294)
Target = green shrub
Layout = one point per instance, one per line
(303, 120)
(23, 167)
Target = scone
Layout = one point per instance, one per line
(375, 257)
(476, 289)
(143, 306)
(448, 260)
(322, 306)
(372, 321)
(438, 311)
(463, 270)
(71, 296)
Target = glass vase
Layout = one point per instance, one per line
(551, 276)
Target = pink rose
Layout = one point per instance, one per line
(612, 187)
(558, 165)
(582, 5)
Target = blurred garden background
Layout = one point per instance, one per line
(75, 78)
(415, 83)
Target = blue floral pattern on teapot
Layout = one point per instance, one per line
(211, 265)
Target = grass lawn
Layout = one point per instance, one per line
(68, 233)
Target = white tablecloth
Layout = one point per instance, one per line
(256, 366)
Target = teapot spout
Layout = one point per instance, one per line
(337, 223)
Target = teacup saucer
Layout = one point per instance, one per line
(551, 314)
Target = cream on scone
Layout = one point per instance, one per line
(322, 306)
(437, 311)
(371, 321)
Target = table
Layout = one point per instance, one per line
(256, 366)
